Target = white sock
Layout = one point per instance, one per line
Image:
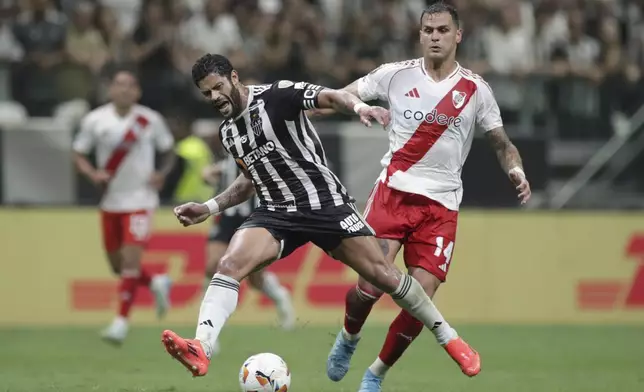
(349, 336)
(378, 368)
(272, 288)
(410, 296)
(217, 305)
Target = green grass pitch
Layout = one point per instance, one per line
(514, 359)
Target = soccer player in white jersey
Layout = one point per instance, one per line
(125, 137)
(435, 105)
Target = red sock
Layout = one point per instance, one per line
(402, 332)
(145, 277)
(358, 306)
(127, 293)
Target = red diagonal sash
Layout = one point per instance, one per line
(427, 134)
(125, 146)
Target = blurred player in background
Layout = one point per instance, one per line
(125, 137)
(222, 174)
(435, 105)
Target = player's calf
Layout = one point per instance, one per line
(402, 332)
(364, 256)
(359, 302)
(248, 249)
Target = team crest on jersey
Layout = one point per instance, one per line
(458, 98)
(256, 123)
(285, 84)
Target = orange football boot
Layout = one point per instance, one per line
(187, 351)
(466, 357)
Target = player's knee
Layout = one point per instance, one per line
(233, 266)
(426, 279)
(382, 275)
(367, 290)
(131, 257)
(211, 267)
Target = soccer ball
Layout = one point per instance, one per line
(264, 372)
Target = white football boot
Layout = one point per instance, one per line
(160, 287)
(116, 332)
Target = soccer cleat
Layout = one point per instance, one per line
(337, 364)
(370, 382)
(286, 311)
(160, 287)
(116, 332)
(187, 351)
(466, 357)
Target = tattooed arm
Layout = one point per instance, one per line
(351, 89)
(238, 192)
(506, 152)
(510, 160)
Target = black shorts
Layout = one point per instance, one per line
(326, 227)
(225, 227)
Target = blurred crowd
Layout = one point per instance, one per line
(58, 50)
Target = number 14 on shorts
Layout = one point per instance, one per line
(445, 250)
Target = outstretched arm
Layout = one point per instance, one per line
(338, 100)
(238, 192)
(192, 213)
(510, 160)
(345, 102)
(351, 89)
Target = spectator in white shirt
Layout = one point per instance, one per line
(213, 31)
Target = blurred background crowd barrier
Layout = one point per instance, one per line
(567, 75)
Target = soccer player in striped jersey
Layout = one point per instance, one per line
(222, 174)
(301, 200)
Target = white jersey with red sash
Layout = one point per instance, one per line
(432, 126)
(125, 147)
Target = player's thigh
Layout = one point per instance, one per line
(249, 249)
(112, 239)
(111, 231)
(364, 255)
(390, 248)
(432, 245)
(426, 279)
(382, 213)
(137, 229)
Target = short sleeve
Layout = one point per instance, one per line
(163, 139)
(85, 139)
(488, 115)
(295, 97)
(375, 84)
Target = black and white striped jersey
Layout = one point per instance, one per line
(276, 145)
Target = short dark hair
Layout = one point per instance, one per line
(123, 68)
(438, 8)
(211, 64)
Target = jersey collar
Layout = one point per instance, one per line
(454, 73)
